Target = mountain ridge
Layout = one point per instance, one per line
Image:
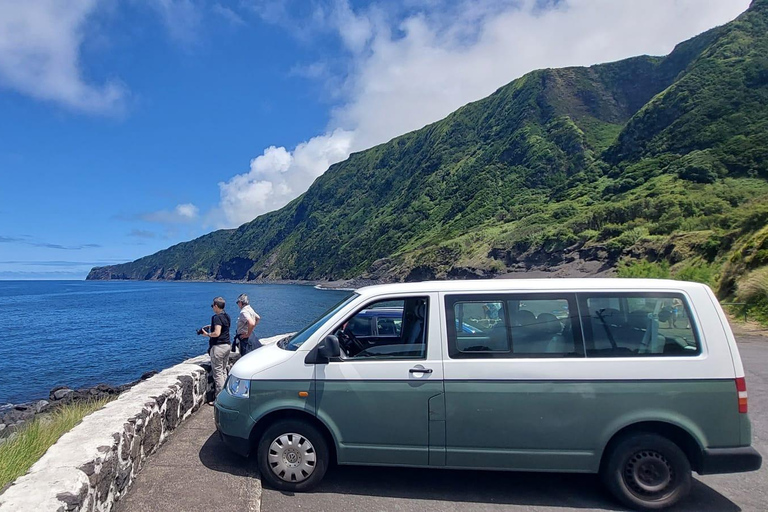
(558, 165)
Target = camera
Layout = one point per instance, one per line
(199, 331)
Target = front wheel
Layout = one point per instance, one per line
(292, 456)
(647, 472)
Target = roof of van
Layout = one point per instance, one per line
(512, 285)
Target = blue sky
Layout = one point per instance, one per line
(128, 126)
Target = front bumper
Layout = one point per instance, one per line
(730, 460)
(233, 423)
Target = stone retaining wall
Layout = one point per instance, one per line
(92, 465)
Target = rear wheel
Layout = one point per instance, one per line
(292, 456)
(647, 472)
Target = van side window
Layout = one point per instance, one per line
(638, 325)
(512, 326)
(391, 329)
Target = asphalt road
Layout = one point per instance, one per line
(372, 489)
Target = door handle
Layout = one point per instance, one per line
(420, 369)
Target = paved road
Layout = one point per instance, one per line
(174, 476)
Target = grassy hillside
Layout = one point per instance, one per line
(647, 165)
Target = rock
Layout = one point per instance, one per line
(2, 427)
(146, 375)
(41, 405)
(73, 501)
(172, 412)
(60, 392)
(18, 414)
(154, 431)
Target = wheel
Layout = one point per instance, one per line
(647, 472)
(292, 456)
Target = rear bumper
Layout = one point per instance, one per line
(730, 460)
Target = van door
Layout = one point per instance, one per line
(506, 405)
(376, 398)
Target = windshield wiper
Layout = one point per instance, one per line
(283, 343)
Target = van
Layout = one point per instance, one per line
(637, 380)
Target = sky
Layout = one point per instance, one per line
(128, 126)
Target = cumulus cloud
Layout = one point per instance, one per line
(278, 175)
(40, 55)
(182, 214)
(418, 61)
(432, 63)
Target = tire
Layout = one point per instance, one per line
(647, 472)
(292, 456)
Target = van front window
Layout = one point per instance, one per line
(299, 338)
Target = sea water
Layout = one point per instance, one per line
(82, 333)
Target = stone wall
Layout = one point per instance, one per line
(92, 465)
(14, 417)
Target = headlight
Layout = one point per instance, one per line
(238, 387)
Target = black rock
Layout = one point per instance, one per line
(60, 393)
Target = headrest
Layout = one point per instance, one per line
(549, 323)
(638, 319)
(523, 318)
(421, 311)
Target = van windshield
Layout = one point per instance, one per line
(294, 342)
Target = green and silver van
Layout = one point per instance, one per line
(637, 380)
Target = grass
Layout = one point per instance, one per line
(32, 441)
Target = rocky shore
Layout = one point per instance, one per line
(15, 416)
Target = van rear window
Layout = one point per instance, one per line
(638, 325)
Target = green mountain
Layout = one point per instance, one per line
(659, 161)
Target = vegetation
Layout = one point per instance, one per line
(17, 455)
(657, 166)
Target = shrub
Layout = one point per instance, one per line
(699, 167)
(700, 273)
(644, 268)
(753, 286)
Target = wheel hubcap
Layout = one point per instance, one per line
(648, 473)
(292, 457)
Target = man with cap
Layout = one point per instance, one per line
(246, 322)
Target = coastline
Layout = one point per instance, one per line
(320, 284)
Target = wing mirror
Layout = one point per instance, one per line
(329, 348)
(325, 351)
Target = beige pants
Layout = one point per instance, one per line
(219, 359)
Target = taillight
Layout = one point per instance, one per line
(741, 388)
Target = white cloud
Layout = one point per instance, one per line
(415, 71)
(182, 18)
(228, 14)
(40, 54)
(437, 62)
(182, 214)
(277, 176)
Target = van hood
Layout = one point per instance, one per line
(259, 360)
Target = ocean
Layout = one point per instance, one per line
(82, 333)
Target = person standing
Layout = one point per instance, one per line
(218, 343)
(247, 320)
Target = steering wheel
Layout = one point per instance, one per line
(349, 341)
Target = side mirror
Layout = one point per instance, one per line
(329, 348)
(325, 351)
